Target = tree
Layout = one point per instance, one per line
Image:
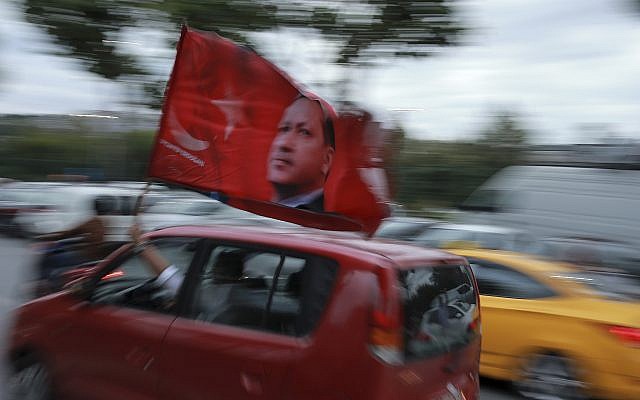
(88, 30)
(503, 142)
(504, 132)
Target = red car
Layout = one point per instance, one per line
(260, 314)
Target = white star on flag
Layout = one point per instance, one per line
(233, 109)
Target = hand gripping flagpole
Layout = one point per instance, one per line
(136, 210)
(138, 206)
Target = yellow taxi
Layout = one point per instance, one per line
(545, 328)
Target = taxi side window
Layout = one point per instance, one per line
(263, 290)
(501, 281)
(129, 282)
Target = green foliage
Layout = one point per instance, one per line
(87, 29)
(443, 174)
(439, 174)
(39, 153)
(423, 173)
(504, 132)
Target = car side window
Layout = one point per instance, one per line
(263, 290)
(130, 282)
(502, 281)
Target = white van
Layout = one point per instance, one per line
(561, 202)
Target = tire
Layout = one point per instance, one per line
(550, 377)
(29, 380)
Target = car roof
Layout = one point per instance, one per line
(346, 243)
(33, 185)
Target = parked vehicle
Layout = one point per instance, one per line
(445, 235)
(262, 312)
(17, 198)
(403, 228)
(596, 254)
(557, 201)
(184, 208)
(74, 203)
(551, 332)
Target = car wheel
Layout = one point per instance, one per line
(550, 377)
(30, 380)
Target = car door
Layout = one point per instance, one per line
(113, 343)
(239, 338)
(512, 305)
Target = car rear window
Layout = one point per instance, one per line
(440, 310)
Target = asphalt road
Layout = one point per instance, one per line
(16, 261)
(16, 268)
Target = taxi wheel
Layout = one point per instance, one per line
(550, 377)
(30, 380)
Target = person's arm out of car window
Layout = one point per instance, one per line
(167, 274)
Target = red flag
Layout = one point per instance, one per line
(233, 123)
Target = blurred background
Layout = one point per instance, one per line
(468, 86)
(469, 89)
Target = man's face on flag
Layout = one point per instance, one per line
(299, 158)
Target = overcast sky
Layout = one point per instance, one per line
(570, 68)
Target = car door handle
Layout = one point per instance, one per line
(252, 383)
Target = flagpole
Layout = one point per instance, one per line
(136, 210)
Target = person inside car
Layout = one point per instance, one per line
(226, 273)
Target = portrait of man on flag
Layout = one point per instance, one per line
(234, 124)
(301, 154)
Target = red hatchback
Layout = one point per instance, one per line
(260, 314)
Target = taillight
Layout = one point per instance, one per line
(385, 336)
(626, 334)
(474, 326)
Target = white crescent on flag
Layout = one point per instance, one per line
(184, 139)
